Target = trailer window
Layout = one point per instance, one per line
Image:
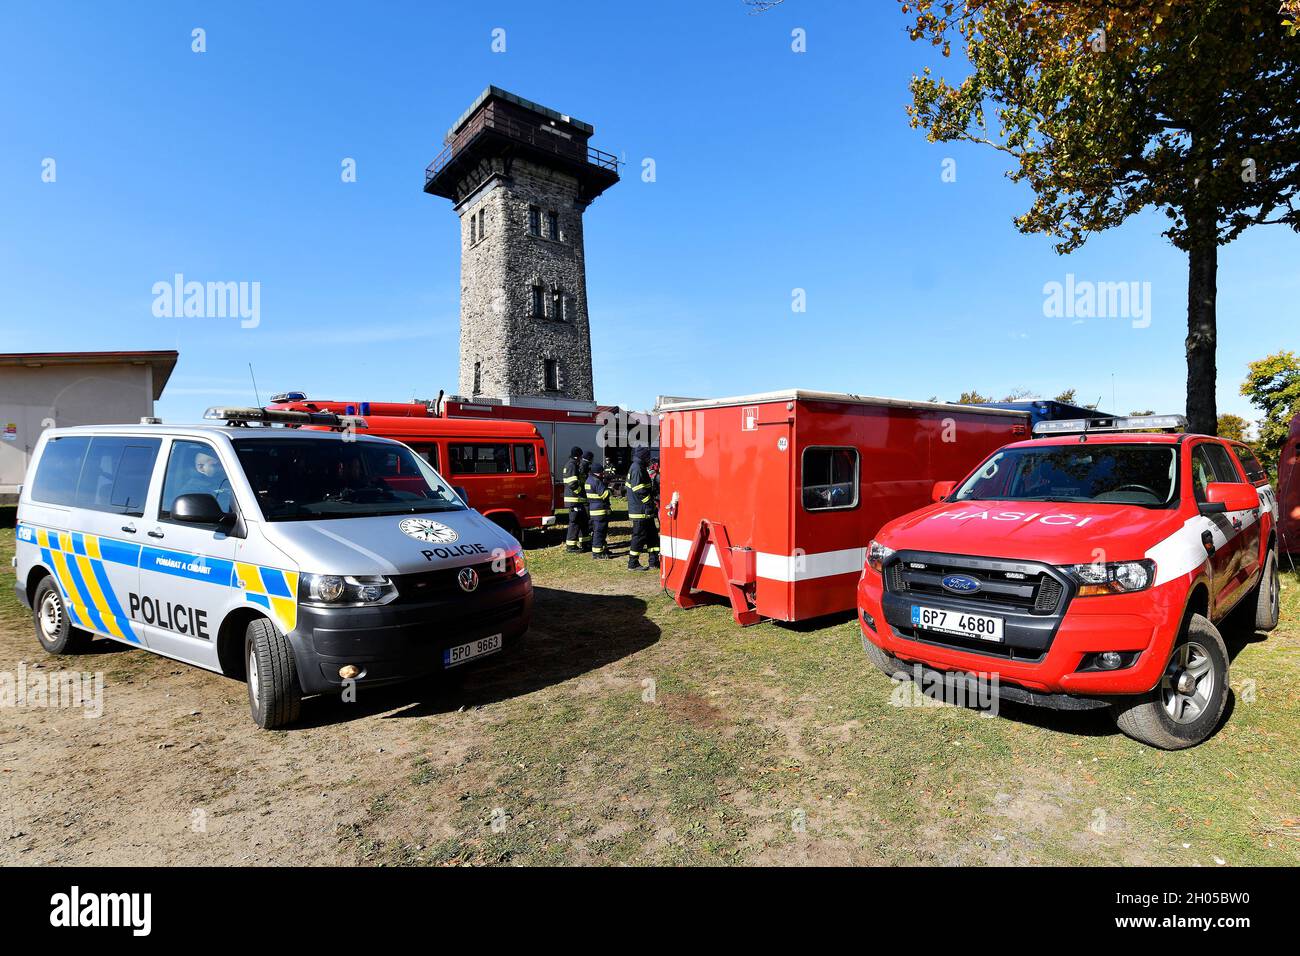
(830, 479)
(479, 459)
(524, 461)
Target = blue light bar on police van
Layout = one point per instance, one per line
(1134, 423)
(281, 416)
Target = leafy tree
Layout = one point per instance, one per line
(972, 398)
(1148, 411)
(1067, 396)
(1232, 427)
(1273, 386)
(1108, 108)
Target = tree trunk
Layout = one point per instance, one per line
(1202, 319)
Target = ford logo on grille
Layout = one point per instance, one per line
(960, 583)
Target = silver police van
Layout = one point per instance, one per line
(309, 560)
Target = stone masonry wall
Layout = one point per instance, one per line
(498, 272)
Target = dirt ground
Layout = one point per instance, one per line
(628, 731)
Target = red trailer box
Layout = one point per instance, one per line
(770, 500)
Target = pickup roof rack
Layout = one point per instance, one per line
(279, 416)
(1088, 426)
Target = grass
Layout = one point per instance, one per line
(630, 731)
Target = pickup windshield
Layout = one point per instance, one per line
(304, 479)
(1104, 474)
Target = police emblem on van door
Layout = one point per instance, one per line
(467, 579)
(422, 529)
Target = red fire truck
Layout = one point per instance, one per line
(1288, 489)
(769, 500)
(1084, 570)
(502, 468)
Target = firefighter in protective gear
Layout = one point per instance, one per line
(598, 509)
(574, 474)
(643, 512)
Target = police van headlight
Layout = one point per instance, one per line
(336, 590)
(515, 563)
(877, 555)
(1117, 577)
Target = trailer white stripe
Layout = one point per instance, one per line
(779, 567)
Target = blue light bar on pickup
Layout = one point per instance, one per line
(1135, 423)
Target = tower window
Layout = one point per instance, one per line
(478, 378)
(551, 375)
(552, 225)
(534, 220)
(557, 305)
(539, 302)
(482, 222)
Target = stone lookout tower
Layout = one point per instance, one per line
(521, 176)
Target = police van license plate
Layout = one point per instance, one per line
(957, 622)
(465, 652)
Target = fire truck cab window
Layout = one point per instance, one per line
(830, 479)
(524, 461)
(479, 459)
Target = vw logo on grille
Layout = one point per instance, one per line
(467, 579)
(960, 583)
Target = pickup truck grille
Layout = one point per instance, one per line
(1023, 591)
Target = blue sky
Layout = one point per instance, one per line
(775, 171)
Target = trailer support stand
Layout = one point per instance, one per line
(737, 570)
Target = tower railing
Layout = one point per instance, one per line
(502, 123)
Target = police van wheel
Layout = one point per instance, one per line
(1185, 707)
(1268, 596)
(274, 697)
(53, 628)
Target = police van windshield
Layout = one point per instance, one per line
(304, 479)
(1105, 474)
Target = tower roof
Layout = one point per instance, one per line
(500, 126)
(495, 92)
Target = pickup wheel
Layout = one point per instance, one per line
(1268, 596)
(53, 628)
(274, 697)
(882, 660)
(1185, 707)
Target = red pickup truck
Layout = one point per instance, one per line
(1087, 568)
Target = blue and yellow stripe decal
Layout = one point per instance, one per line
(78, 563)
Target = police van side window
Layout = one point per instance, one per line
(830, 479)
(479, 459)
(193, 468)
(55, 481)
(116, 473)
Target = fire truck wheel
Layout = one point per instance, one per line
(882, 660)
(1185, 707)
(53, 629)
(274, 697)
(1268, 596)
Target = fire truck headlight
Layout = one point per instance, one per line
(1120, 577)
(334, 590)
(877, 555)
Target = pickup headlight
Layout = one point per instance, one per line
(877, 555)
(345, 590)
(1118, 577)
